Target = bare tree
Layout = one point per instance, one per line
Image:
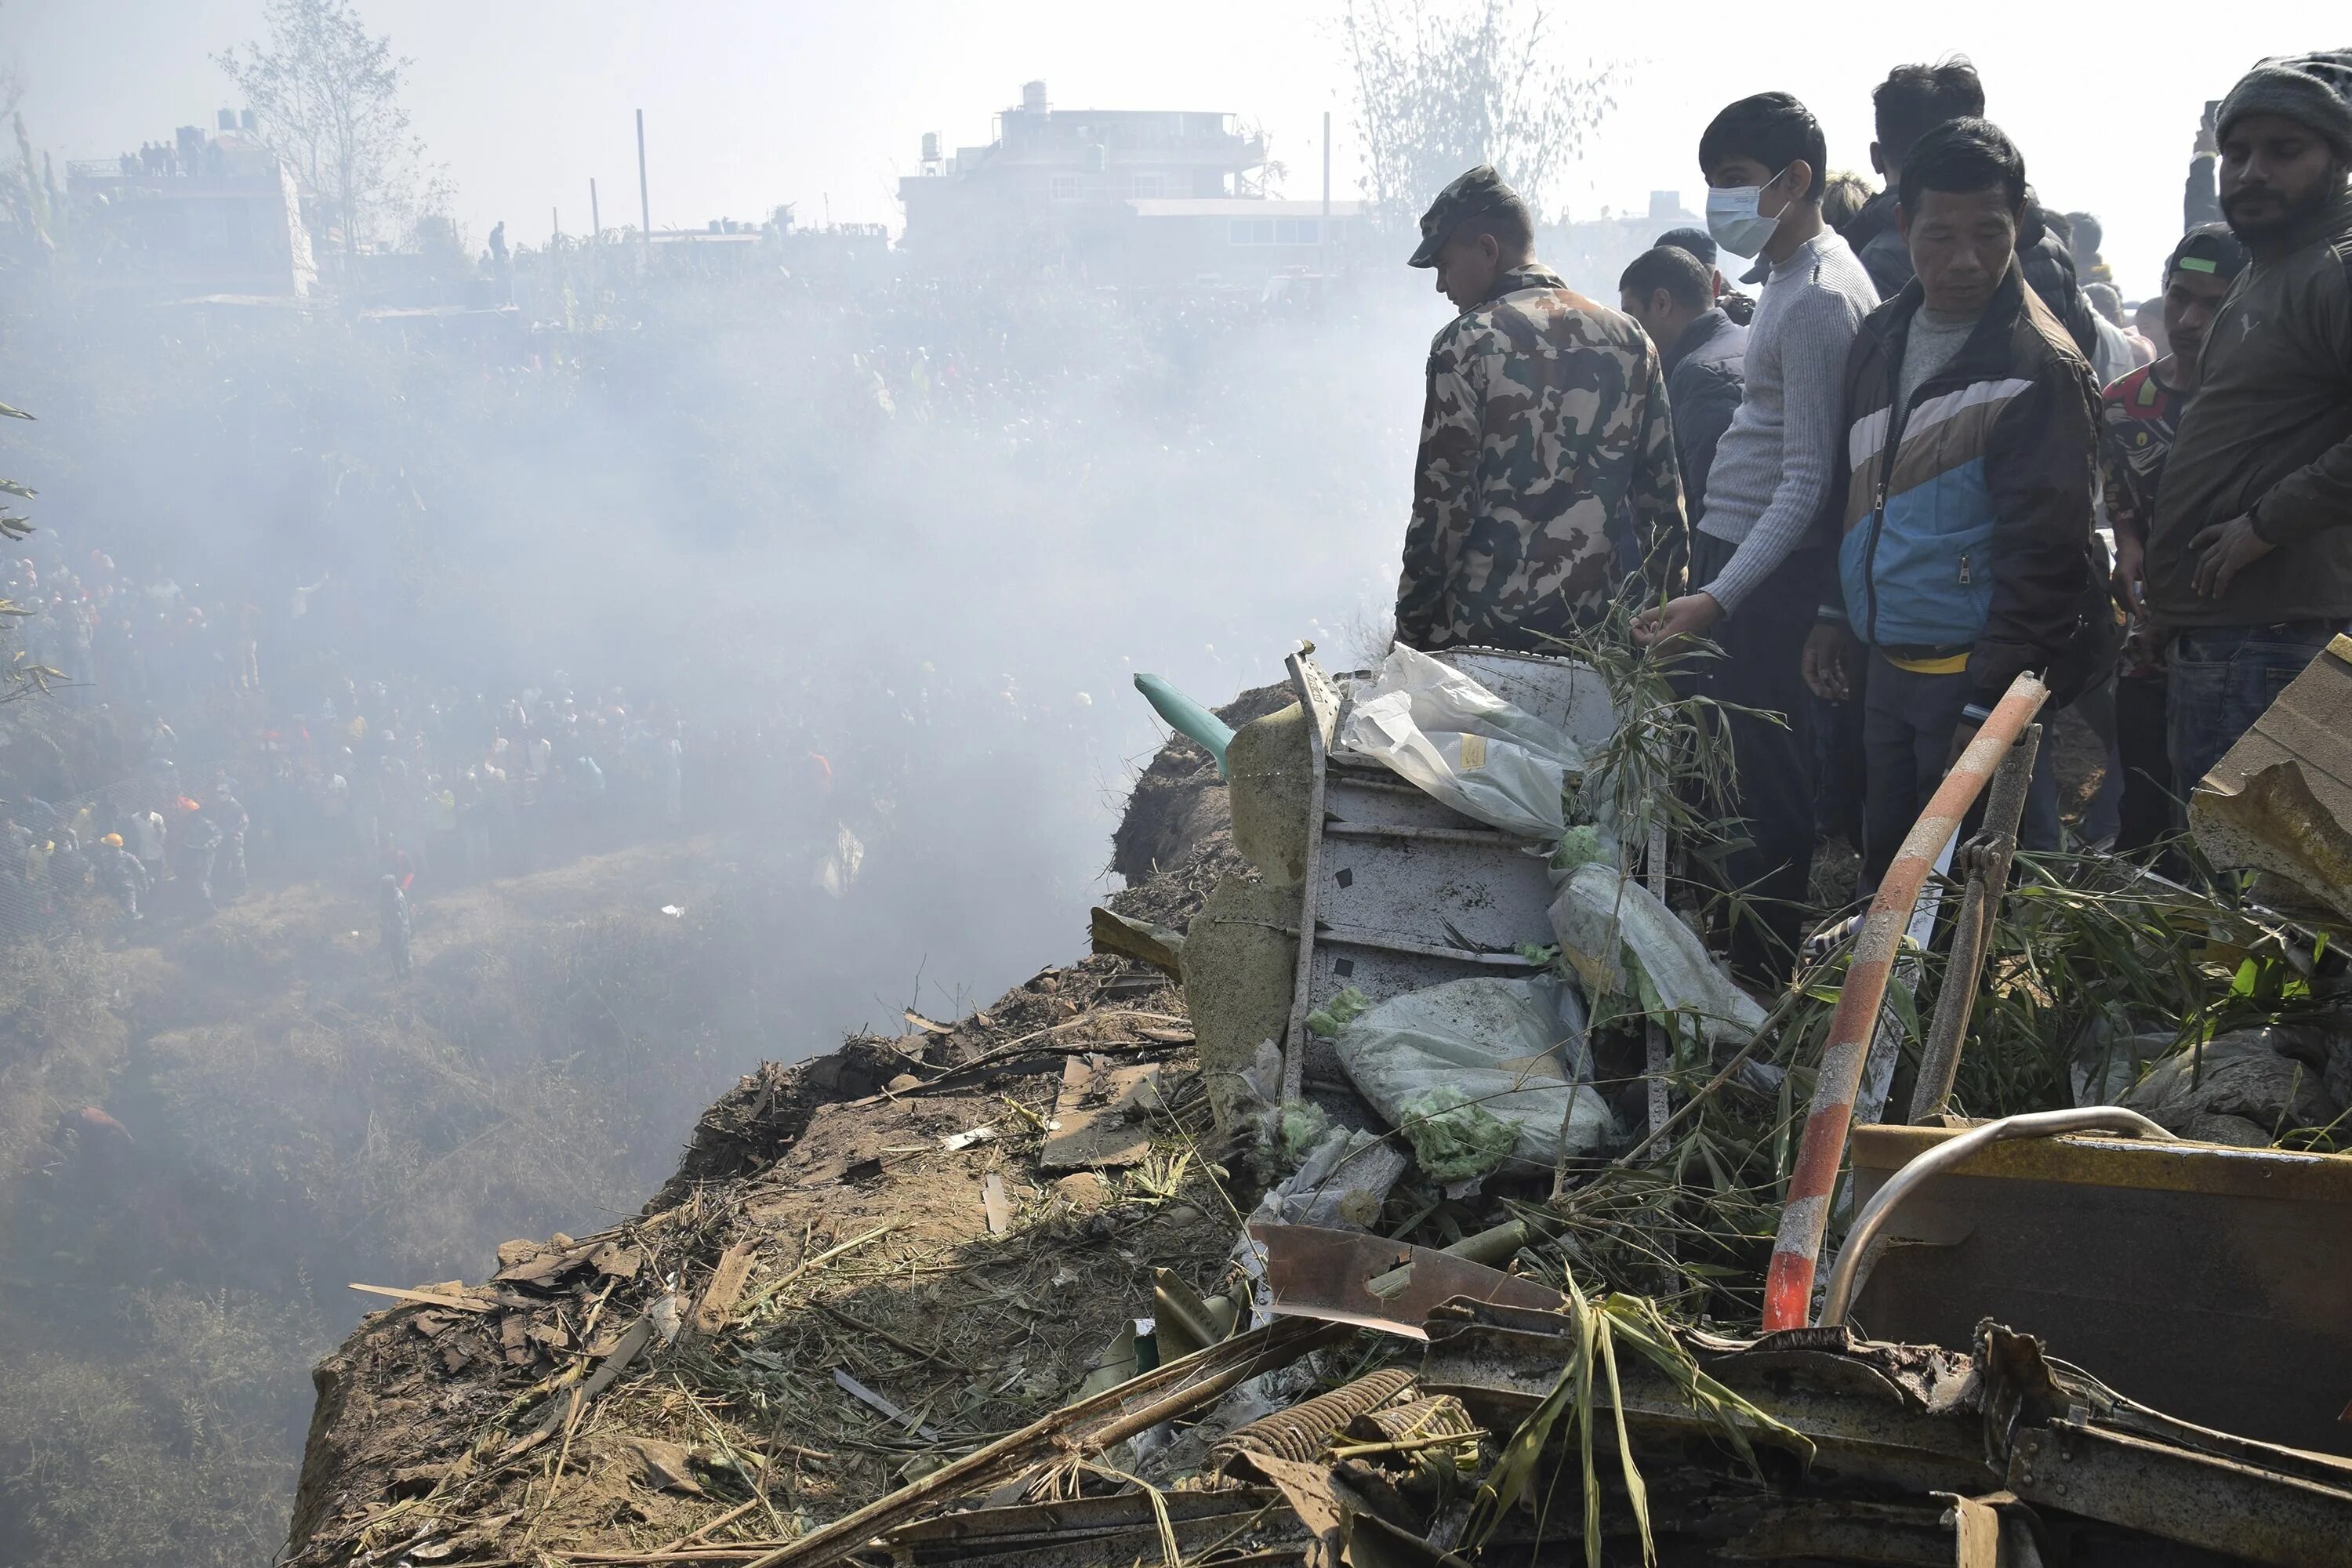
(1443, 85)
(328, 99)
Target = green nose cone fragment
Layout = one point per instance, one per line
(1188, 717)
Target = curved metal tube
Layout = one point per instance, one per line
(1847, 1277)
(1804, 1218)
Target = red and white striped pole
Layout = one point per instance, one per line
(1796, 1252)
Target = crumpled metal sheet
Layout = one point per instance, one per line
(2281, 799)
(1331, 1274)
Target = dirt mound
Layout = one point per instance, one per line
(871, 1231)
(826, 1231)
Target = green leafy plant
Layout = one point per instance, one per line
(1598, 1328)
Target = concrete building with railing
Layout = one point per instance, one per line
(198, 216)
(1137, 197)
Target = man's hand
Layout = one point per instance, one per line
(1965, 732)
(1824, 662)
(1690, 615)
(2225, 549)
(2131, 561)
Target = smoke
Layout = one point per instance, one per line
(928, 531)
(888, 551)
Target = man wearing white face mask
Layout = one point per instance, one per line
(1754, 560)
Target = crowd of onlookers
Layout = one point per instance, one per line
(1932, 451)
(189, 767)
(269, 704)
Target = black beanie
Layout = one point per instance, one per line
(2313, 89)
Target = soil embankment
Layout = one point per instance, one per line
(865, 1259)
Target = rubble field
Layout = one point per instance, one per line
(981, 1292)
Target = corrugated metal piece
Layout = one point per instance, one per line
(1302, 1431)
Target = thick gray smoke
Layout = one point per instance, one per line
(885, 550)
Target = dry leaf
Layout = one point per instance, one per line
(667, 1467)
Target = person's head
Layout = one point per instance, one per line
(2084, 235)
(1914, 100)
(2148, 320)
(2285, 134)
(1666, 290)
(1699, 244)
(2197, 279)
(1476, 230)
(1843, 199)
(1962, 197)
(2106, 302)
(1763, 157)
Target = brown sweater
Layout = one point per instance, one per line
(2270, 433)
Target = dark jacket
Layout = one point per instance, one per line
(1964, 518)
(2269, 434)
(1705, 375)
(1875, 238)
(2049, 268)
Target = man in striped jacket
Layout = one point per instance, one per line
(1966, 553)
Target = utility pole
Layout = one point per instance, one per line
(595, 218)
(644, 204)
(555, 221)
(1323, 229)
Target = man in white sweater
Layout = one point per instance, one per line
(1757, 552)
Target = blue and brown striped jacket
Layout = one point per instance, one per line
(1964, 518)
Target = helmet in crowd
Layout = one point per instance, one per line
(113, 839)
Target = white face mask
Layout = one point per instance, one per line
(1732, 218)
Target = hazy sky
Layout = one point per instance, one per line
(821, 102)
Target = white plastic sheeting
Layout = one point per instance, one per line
(1460, 742)
(1603, 919)
(1515, 1048)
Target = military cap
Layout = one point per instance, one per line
(1472, 195)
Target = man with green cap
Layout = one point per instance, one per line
(2139, 419)
(1544, 442)
(2249, 569)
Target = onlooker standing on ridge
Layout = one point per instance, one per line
(1911, 101)
(1969, 554)
(1671, 293)
(2139, 419)
(2248, 563)
(394, 924)
(1755, 572)
(1545, 427)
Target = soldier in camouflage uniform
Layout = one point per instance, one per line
(1547, 451)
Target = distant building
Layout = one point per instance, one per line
(1137, 197)
(194, 217)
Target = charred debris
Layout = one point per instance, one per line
(1401, 1181)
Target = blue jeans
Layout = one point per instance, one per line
(2222, 678)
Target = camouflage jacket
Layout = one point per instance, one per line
(1546, 445)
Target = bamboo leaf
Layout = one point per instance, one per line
(1635, 1491)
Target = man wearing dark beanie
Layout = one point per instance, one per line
(2249, 568)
